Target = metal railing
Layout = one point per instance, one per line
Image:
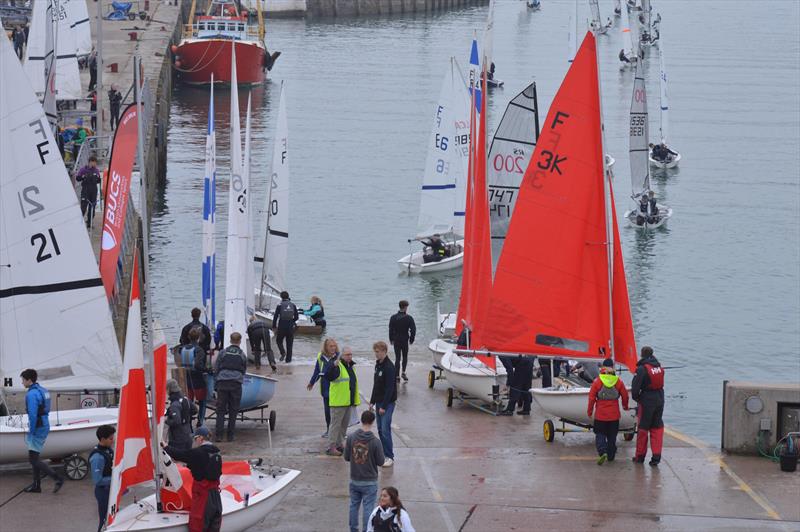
(192, 30)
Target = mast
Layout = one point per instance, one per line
(148, 348)
(607, 199)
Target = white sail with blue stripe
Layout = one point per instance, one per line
(475, 75)
(443, 166)
(209, 219)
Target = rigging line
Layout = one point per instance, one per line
(12, 497)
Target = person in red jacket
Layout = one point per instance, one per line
(604, 396)
(648, 390)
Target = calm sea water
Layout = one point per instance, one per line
(717, 293)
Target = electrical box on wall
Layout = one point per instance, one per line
(766, 423)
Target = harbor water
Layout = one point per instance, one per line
(717, 293)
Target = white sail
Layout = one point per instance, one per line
(68, 83)
(645, 16)
(54, 313)
(511, 150)
(442, 166)
(78, 16)
(639, 135)
(595, 8)
(662, 78)
(210, 218)
(460, 107)
(572, 34)
(49, 63)
(235, 282)
(627, 38)
(277, 233)
(248, 265)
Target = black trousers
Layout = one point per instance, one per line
(605, 437)
(229, 395)
(259, 345)
(515, 395)
(114, 117)
(326, 403)
(287, 336)
(400, 354)
(547, 381)
(88, 206)
(40, 467)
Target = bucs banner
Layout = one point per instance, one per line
(118, 187)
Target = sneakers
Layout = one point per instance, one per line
(33, 488)
(505, 413)
(638, 459)
(274, 369)
(324, 434)
(404, 377)
(282, 357)
(655, 460)
(333, 451)
(523, 412)
(389, 462)
(59, 483)
(602, 459)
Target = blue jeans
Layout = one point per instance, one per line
(364, 494)
(385, 430)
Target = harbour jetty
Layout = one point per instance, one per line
(459, 469)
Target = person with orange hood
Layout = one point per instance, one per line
(604, 396)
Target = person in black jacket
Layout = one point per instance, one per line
(402, 331)
(284, 321)
(647, 389)
(258, 334)
(383, 398)
(89, 178)
(205, 463)
(205, 332)
(179, 417)
(521, 383)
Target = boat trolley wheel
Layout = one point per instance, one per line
(449, 397)
(549, 430)
(431, 378)
(76, 467)
(272, 418)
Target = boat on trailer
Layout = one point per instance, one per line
(50, 276)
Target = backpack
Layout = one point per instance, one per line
(287, 311)
(189, 360)
(608, 394)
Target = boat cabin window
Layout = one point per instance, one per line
(565, 343)
(241, 27)
(201, 26)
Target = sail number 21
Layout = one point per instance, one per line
(42, 241)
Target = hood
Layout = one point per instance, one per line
(652, 360)
(609, 380)
(364, 435)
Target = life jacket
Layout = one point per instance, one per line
(108, 458)
(43, 410)
(655, 377)
(608, 391)
(214, 466)
(186, 412)
(232, 359)
(339, 391)
(385, 525)
(287, 311)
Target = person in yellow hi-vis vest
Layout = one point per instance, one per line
(342, 397)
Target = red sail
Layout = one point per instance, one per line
(550, 293)
(118, 187)
(133, 459)
(624, 340)
(476, 280)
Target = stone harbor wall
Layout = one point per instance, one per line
(356, 8)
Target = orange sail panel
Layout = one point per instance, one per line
(465, 302)
(133, 458)
(624, 339)
(550, 293)
(476, 280)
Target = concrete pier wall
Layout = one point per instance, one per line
(753, 412)
(360, 8)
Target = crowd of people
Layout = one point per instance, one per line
(191, 442)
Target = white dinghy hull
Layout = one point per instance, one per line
(71, 432)
(570, 405)
(305, 325)
(236, 516)
(471, 377)
(664, 214)
(672, 163)
(414, 262)
(439, 347)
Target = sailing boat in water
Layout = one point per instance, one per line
(664, 156)
(275, 256)
(628, 55)
(597, 22)
(48, 275)
(650, 214)
(441, 218)
(563, 250)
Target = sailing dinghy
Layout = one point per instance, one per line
(563, 251)
(672, 157)
(440, 215)
(597, 22)
(276, 236)
(534, 5)
(48, 275)
(628, 56)
(649, 215)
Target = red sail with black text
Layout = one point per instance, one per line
(476, 280)
(550, 294)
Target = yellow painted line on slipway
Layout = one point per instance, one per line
(716, 458)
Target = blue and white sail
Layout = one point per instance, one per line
(475, 74)
(210, 219)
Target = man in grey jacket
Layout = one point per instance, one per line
(229, 370)
(364, 451)
(179, 417)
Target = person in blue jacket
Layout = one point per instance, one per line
(328, 354)
(37, 405)
(101, 463)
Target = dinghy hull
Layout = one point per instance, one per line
(665, 213)
(71, 432)
(414, 263)
(471, 377)
(570, 405)
(672, 163)
(236, 515)
(257, 391)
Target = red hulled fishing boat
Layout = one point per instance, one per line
(205, 47)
